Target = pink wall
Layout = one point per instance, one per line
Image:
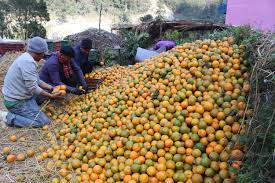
(259, 14)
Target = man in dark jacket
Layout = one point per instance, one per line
(81, 56)
(61, 69)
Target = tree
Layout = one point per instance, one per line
(63, 8)
(4, 23)
(26, 18)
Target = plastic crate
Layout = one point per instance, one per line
(6, 47)
(94, 55)
(50, 46)
(64, 42)
(57, 46)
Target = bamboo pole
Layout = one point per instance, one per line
(100, 11)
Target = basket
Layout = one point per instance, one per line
(94, 83)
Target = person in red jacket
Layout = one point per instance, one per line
(61, 69)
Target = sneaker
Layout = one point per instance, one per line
(3, 119)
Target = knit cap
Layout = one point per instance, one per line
(37, 45)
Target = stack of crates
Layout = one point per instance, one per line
(64, 42)
(11, 46)
(50, 45)
(56, 45)
(94, 55)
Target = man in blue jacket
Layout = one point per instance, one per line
(61, 69)
(81, 56)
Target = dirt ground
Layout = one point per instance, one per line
(31, 170)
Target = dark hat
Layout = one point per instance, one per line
(67, 50)
(86, 43)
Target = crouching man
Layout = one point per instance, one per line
(22, 86)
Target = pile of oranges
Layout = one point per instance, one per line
(172, 118)
(111, 74)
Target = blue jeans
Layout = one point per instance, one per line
(27, 114)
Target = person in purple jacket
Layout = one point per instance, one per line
(81, 56)
(61, 69)
(167, 44)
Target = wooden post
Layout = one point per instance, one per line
(160, 30)
(100, 17)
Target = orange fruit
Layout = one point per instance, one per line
(30, 153)
(237, 154)
(189, 143)
(189, 159)
(161, 175)
(151, 171)
(13, 138)
(10, 158)
(197, 178)
(63, 87)
(6, 150)
(228, 86)
(45, 127)
(84, 167)
(20, 157)
(97, 169)
(208, 106)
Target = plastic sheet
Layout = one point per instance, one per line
(143, 54)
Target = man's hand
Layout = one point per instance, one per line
(82, 90)
(56, 95)
(78, 91)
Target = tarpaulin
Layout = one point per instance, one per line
(143, 54)
(259, 14)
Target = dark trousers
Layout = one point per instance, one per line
(88, 67)
(72, 81)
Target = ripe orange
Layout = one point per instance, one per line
(151, 171)
(10, 158)
(45, 127)
(20, 157)
(189, 159)
(237, 154)
(84, 167)
(63, 87)
(13, 138)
